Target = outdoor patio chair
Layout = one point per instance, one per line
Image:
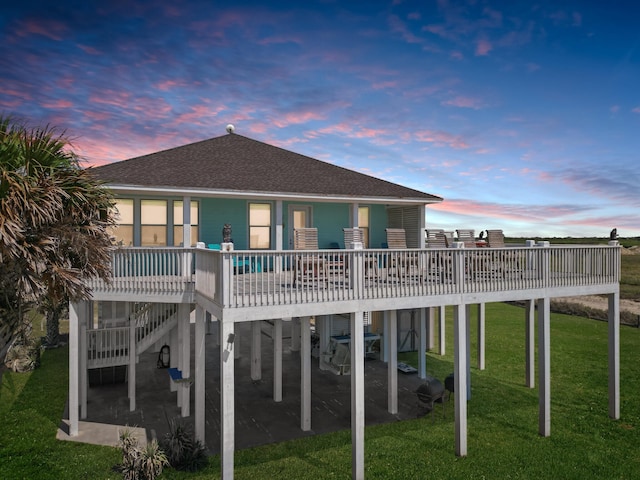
(468, 237)
(351, 236)
(406, 262)
(438, 262)
(436, 238)
(356, 235)
(495, 239)
(308, 267)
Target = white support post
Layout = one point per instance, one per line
(74, 387)
(422, 349)
(295, 334)
(186, 221)
(354, 217)
(305, 369)
(544, 368)
(460, 377)
(256, 350)
(82, 380)
(132, 358)
(179, 358)
(237, 346)
(277, 360)
(442, 340)
(200, 375)
(385, 335)
(422, 227)
(529, 344)
(392, 364)
(431, 328)
(322, 329)
(279, 226)
(173, 355)
(481, 336)
(184, 322)
(227, 393)
(614, 355)
(468, 314)
(357, 395)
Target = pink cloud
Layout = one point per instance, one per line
(464, 102)
(198, 114)
(47, 28)
(636, 110)
(397, 26)
(383, 85)
(167, 85)
(89, 50)
(114, 98)
(296, 118)
(279, 39)
(509, 212)
(10, 104)
(15, 93)
(58, 104)
(441, 139)
(483, 47)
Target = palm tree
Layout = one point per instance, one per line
(54, 223)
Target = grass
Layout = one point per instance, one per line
(503, 420)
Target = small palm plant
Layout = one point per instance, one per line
(183, 451)
(152, 460)
(140, 463)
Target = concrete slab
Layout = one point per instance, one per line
(99, 433)
(259, 419)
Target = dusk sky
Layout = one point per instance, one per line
(522, 115)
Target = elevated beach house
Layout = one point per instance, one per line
(232, 230)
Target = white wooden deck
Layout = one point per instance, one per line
(250, 285)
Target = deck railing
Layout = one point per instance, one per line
(152, 271)
(241, 279)
(107, 347)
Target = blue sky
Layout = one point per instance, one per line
(523, 116)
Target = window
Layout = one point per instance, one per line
(178, 222)
(153, 223)
(123, 231)
(363, 223)
(260, 226)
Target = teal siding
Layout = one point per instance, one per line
(328, 218)
(377, 225)
(215, 212)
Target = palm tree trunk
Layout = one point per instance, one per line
(53, 326)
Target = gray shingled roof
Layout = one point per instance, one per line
(236, 163)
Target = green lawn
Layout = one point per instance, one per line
(503, 420)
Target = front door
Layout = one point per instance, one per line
(300, 216)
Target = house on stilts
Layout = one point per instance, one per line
(232, 231)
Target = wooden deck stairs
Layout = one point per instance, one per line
(109, 347)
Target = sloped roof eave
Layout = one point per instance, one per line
(198, 192)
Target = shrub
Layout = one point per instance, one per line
(140, 463)
(183, 451)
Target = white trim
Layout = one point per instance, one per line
(249, 195)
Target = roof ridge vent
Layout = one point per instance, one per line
(231, 128)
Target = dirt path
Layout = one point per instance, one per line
(601, 303)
